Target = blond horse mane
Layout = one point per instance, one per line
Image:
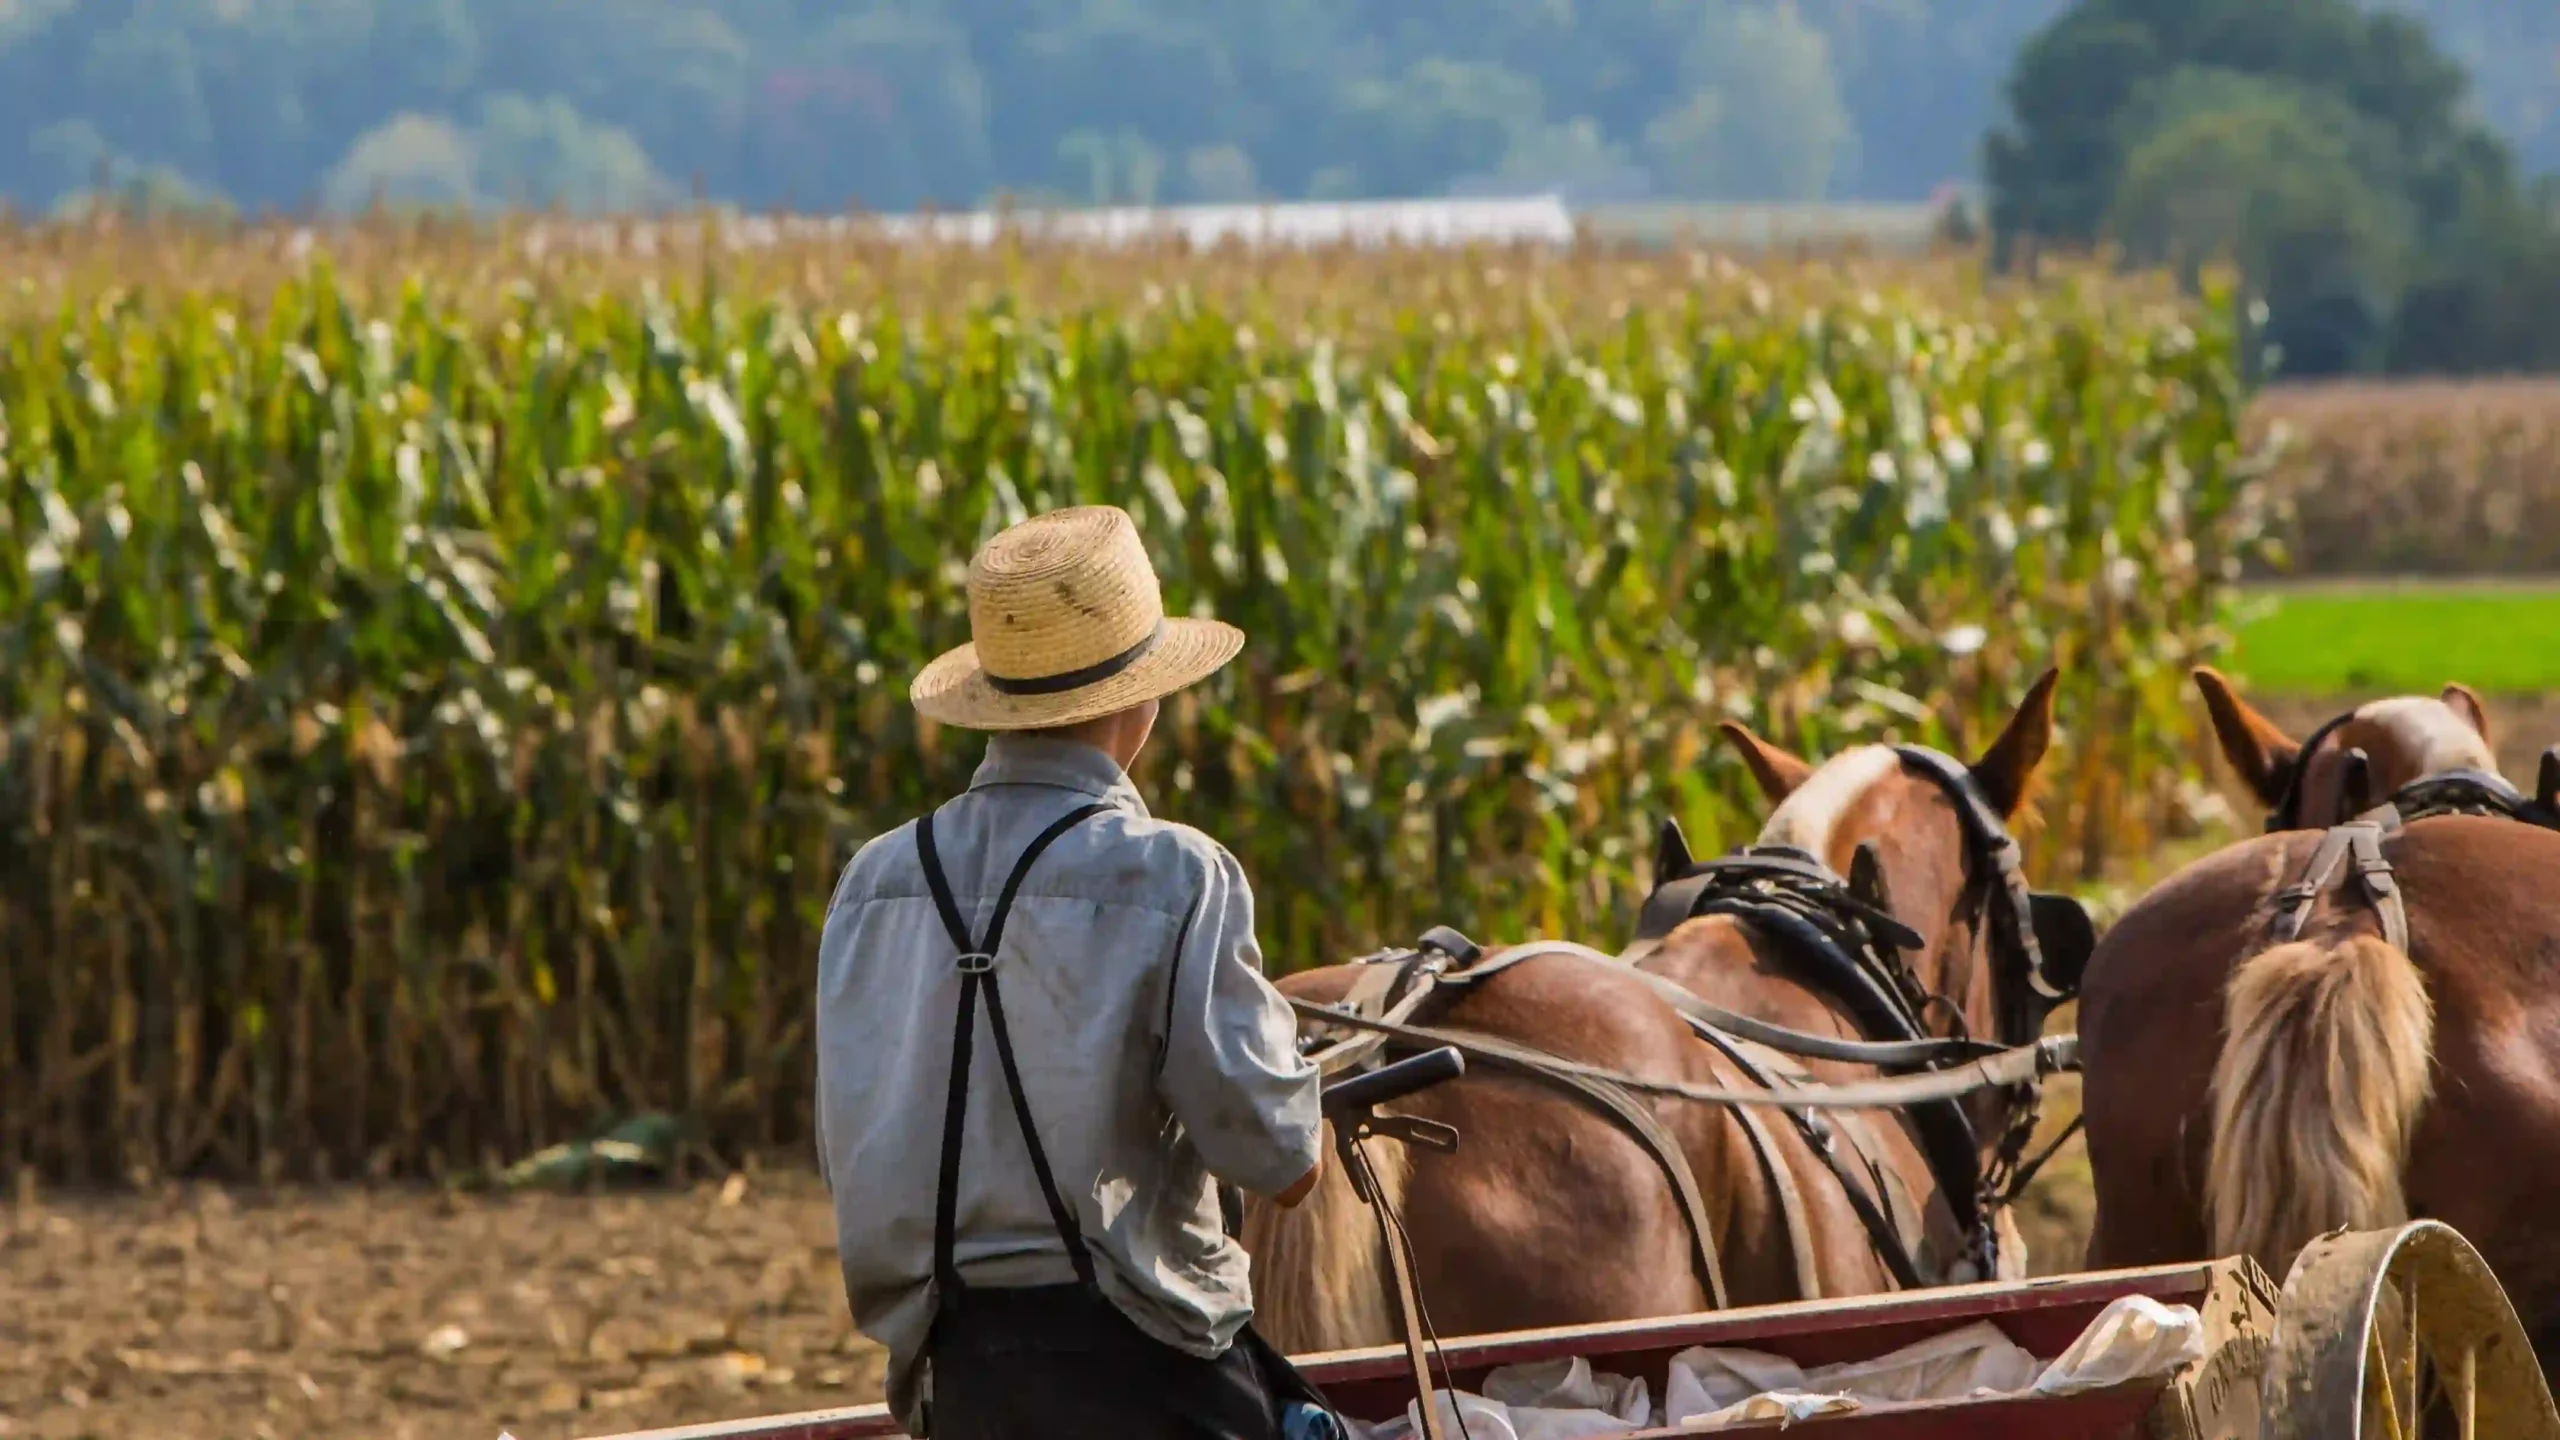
(2323, 1070)
(1320, 1278)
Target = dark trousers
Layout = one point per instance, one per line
(1062, 1361)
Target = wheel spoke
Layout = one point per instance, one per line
(2416, 1407)
(2466, 1393)
(2378, 1361)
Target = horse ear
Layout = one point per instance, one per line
(2463, 701)
(2263, 755)
(2007, 770)
(1671, 858)
(1778, 772)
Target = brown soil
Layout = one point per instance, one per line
(416, 1316)
(190, 1315)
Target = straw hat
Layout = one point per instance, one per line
(1067, 625)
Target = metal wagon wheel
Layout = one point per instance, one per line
(2397, 1334)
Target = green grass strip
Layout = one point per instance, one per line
(2386, 638)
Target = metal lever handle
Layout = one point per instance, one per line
(1413, 1130)
(1393, 1082)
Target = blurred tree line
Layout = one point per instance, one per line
(2334, 152)
(2369, 159)
(896, 103)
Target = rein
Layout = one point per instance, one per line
(2024, 1065)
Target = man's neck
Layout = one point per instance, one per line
(1110, 735)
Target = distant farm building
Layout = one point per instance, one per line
(1358, 222)
(1542, 219)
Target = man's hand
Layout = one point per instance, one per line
(1288, 1199)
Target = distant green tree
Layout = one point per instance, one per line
(543, 152)
(149, 191)
(1218, 174)
(2081, 88)
(1119, 168)
(1763, 117)
(1573, 161)
(531, 153)
(2274, 179)
(1433, 122)
(420, 161)
(2326, 149)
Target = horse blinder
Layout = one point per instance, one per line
(2050, 935)
(1671, 856)
(2065, 939)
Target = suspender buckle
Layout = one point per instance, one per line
(975, 962)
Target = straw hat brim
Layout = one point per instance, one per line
(954, 688)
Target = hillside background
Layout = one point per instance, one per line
(892, 104)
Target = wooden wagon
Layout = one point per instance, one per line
(2366, 1324)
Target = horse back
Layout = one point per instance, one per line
(2482, 897)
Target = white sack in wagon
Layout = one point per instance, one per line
(2134, 1338)
(1710, 1388)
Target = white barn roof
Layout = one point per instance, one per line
(1541, 218)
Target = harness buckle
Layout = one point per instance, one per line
(975, 962)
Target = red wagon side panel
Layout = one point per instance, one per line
(2041, 1316)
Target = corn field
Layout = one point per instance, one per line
(437, 704)
(2416, 477)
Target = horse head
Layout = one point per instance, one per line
(1923, 839)
(2355, 761)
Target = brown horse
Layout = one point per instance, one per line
(2243, 1096)
(1907, 843)
(1551, 1213)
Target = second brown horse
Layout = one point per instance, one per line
(1551, 1213)
(2244, 1095)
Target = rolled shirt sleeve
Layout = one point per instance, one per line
(1232, 1073)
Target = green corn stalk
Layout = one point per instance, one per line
(441, 683)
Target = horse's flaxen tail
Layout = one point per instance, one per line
(1320, 1277)
(2324, 1068)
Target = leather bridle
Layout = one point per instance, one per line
(2444, 792)
(1851, 948)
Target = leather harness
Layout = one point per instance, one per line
(2351, 852)
(2444, 792)
(1851, 949)
(1842, 943)
(2360, 841)
(1393, 986)
(2352, 849)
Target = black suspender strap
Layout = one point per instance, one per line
(977, 965)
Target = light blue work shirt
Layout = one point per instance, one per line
(1155, 1054)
